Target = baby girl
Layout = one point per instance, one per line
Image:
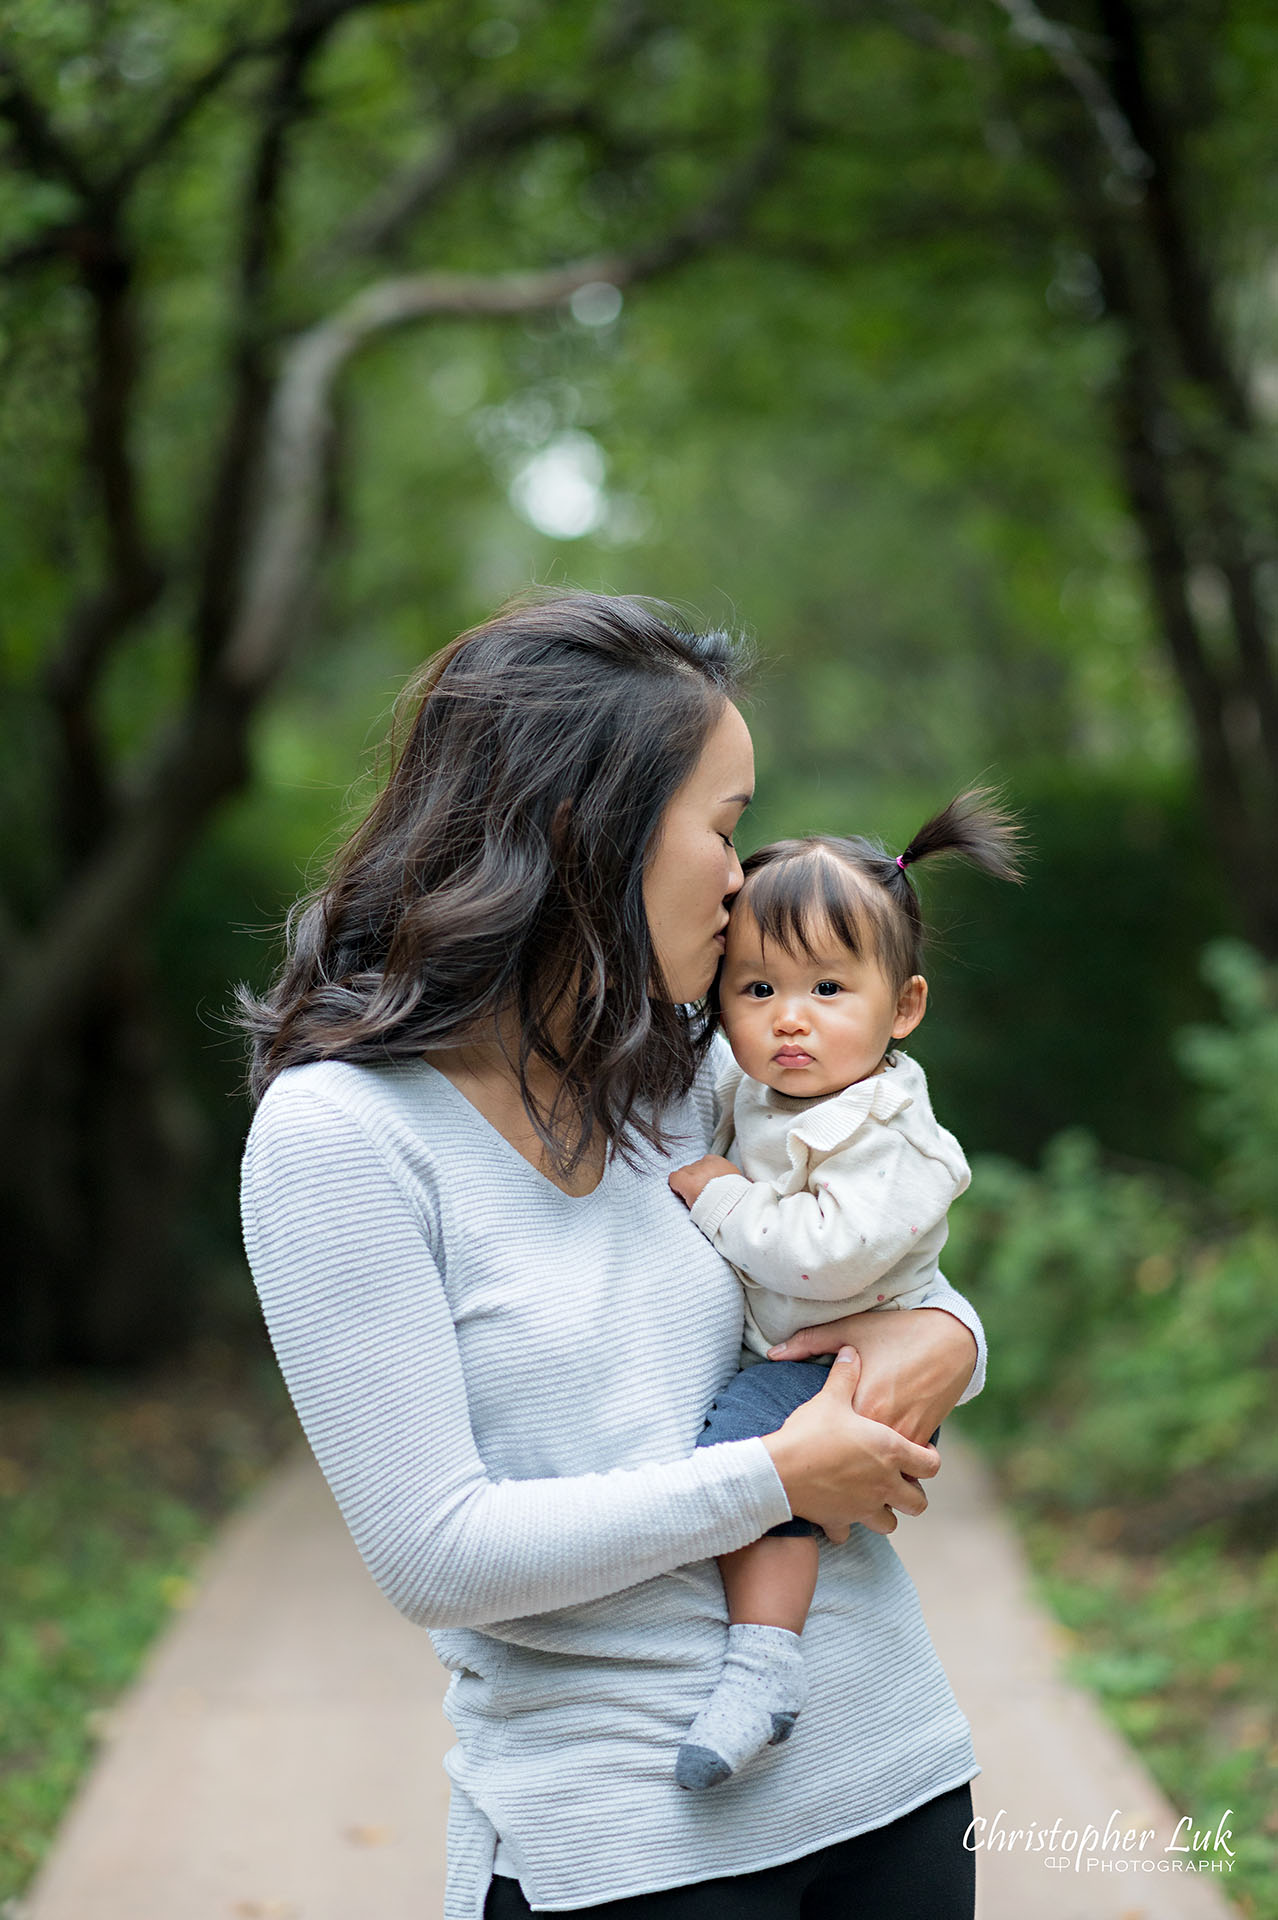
(836, 1196)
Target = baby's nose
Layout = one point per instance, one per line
(790, 1020)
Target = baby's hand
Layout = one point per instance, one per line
(689, 1181)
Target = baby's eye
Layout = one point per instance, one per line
(827, 988)
(758, 990)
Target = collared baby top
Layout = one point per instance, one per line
(843, 1201)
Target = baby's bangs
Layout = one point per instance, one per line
(802, 900)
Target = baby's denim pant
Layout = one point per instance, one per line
(756, 1401)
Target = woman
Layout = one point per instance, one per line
(483, 1056)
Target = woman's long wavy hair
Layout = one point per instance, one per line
(499, 874)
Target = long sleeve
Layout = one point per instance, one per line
(865, 1208)
(941, 1294)
(361, 1326)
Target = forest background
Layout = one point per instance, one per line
(938, 349)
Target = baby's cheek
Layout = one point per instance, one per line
(740, 1031)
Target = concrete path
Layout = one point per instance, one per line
(280, 1757)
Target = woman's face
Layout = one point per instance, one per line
(693, 869)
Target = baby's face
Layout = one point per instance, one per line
(810, 1024)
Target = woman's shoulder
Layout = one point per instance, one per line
(364, 1130)
(324, 1101)
(344, 1086)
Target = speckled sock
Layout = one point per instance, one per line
(759, 1697)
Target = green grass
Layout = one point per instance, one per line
(1180, 1646)
(108, 1492)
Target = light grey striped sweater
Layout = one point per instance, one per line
(485, 1370)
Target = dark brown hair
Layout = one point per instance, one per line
(796, 890)
(500, 870)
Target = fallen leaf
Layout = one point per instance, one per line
(370, 1836)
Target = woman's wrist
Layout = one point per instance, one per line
(783, 1453)
(915, 1368)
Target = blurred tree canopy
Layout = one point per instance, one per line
(936, 345)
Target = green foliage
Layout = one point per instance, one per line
(875, 431)
(1136, 1314)
(1133, 1326)
(108, 1493)
(1237, 1067)
(1179, 1647)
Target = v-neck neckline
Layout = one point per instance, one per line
(481, 1120)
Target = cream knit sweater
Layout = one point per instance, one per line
(841, 1207)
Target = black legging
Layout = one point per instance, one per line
(916, 1868)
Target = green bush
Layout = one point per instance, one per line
(1237, 1066)
(1133, 1316)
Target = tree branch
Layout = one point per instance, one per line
(285, 103)
(288, 515)
(1189, 304)
(1064, 49)
(319, 17)
(54, 243)
(35, 138)
(498, 129)
(205, 759)
(917, 24)
(132, 575)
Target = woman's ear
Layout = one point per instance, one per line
(911, 1005)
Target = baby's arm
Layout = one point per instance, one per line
(861, 1212)
(690, 1181)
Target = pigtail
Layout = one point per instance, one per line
(978, 828)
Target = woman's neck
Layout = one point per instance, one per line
(483, 1072)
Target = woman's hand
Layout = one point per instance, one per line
(915, 1364)
(837, 1467)
(688, 1182)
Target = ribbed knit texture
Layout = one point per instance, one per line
(503, 1386)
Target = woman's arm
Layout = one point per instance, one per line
(916, 1366)
(361, 1327)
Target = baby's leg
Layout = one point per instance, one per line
(763, 1684)
(769, 1587)
(771, 1582)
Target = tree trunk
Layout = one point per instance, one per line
(1187, 442)
(98, 1165)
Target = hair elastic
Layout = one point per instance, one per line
(901, 862)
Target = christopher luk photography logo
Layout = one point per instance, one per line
(1126, 1844)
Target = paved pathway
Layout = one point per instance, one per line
(280, 1757)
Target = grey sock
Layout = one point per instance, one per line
(759, 1697)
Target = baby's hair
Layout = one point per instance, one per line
(798, 890)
